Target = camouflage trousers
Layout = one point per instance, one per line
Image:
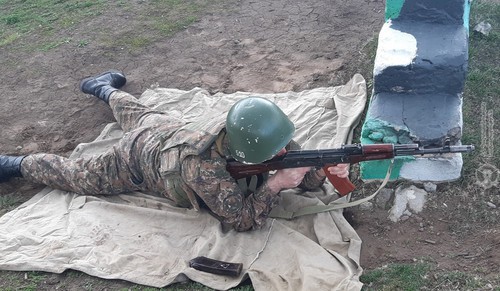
(131, 165)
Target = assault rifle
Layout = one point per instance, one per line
(347, 154)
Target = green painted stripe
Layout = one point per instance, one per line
(393, 8)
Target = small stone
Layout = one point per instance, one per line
(53, 280)
(366, 205)
(483, 27)
(412, 198)
(404, 218)
(19, 148)
(31, 147)
(430, 187)
(491, 205)
(384, 197)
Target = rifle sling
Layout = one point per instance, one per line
(282, 213)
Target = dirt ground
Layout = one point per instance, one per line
(259, 46)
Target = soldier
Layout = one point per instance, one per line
(184, 162)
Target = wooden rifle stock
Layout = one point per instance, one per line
(347, 154)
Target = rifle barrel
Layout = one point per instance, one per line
(413, 149)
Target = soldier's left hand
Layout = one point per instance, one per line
(341, 170)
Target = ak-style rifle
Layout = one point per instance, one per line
(347, 154)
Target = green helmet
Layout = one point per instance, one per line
(257, 129)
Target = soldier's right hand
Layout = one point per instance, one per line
(287, 178)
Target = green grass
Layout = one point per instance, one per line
(482, 84)
(169, 28)
(9, 202)
(480, 98)
(45, 19)
(35, 280)
(25, 281)
(172, 16)
(397, 277)
(43, 16)
(423, 276)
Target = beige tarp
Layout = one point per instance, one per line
(144, 240)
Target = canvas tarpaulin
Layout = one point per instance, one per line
(143, 239)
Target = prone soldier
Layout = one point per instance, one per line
(185, 162)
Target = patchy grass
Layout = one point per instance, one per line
(9, 202)
(31, 281)
(364, 66)
(481, 108)
(26, 281)
(52, 21)
(423, 276)
(482, 89)
(43, 17)
(396, 277)
(174, 15)
(131, 42)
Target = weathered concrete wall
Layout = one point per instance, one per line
(419, 75)
(435, 58)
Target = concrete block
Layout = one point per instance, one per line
(437, 168)
(427, 119)
(419, 75)
(421, 58)
(377, 170)
(406, 202)
(442, 168)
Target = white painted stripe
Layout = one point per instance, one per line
(395, 48)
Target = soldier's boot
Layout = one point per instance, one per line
(101, 86)
(10, 167)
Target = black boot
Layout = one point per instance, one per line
(10, 167)
(103, 85)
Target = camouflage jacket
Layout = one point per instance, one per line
(193, 167)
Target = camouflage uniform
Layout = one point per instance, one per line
(164, 156)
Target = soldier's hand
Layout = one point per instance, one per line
(341, 170)
(287, 178)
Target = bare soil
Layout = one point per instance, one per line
(237, 45)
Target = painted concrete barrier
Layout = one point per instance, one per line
(419, 74)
